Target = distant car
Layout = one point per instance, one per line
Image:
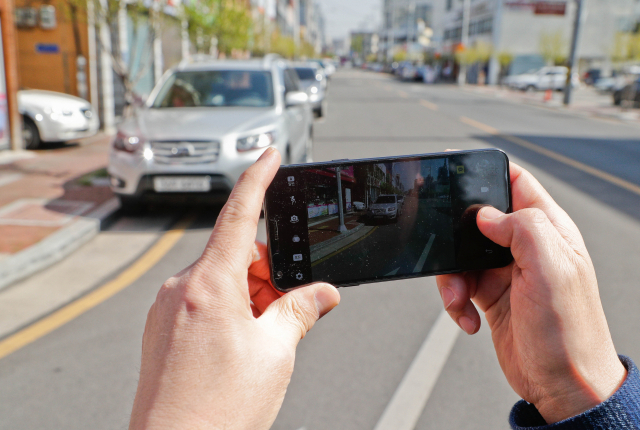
(386, 206)
(359, 206)
(204, 124)
(48, 116)
(630, 93)
(314, 82)
(547, 78)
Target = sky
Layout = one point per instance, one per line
(343, 16)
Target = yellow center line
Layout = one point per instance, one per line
(428, 104)
(333, 254)
(629, 186)
(76, 308)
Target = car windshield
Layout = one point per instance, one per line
(306, 73)
(386, 199)
(216, 88)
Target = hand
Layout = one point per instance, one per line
(544, 310)
(219, 344)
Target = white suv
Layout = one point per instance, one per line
(204, 124)
(386, 206)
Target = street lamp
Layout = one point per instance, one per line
(464, 40)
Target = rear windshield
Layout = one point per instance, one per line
(386, 199)
(216, 88)
(306, 73)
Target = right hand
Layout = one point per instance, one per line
(547, 322)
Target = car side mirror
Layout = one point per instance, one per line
(296, 98)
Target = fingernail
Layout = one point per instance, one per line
(447, 297)
(467, 325)
(325, 300)
(267, 153)
(489, 212)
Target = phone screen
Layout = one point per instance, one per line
(352, 222)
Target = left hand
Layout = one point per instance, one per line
(210, 357)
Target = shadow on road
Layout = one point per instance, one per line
(618, 157)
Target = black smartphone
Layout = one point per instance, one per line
(349, 222)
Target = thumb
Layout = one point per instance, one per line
(295, 313)
(528, 232)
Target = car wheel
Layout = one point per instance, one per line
(30, 134)
(617, 99)
(530, 88)
(130, 205)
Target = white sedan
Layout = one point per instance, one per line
(53, 117)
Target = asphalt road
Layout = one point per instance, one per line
(84, 374)
(418, 241)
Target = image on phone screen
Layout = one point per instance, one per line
(383, 219)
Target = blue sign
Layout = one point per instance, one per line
(47, 48)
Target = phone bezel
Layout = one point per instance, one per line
(348, 162)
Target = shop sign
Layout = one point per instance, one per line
(47, 48)
(26, 17)
(314, 211)
(550, 8)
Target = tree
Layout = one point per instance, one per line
(218, 26)
(553, 47)
(626, 47)
(145, 21)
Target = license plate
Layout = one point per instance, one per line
(182, 184)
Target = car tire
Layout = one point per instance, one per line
(30, 134)
(130, 205)
(530, 88)
(319, 112)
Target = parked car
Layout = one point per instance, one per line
(48, 116)
(629, 93)
(386, 206)
(204, 124)
(314, 82)
(547, 78)
(359, 206)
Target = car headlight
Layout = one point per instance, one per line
(126, 143)
(256, 141)
(391, 209)
(57, 113)
(314, 90)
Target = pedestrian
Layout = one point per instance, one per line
(219, 343)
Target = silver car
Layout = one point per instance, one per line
(48, 116)
(314, 82)
(204, 124)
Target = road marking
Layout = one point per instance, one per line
(344, 248)
(403, 94)
(74, 309)
(393, 272)
(411, 396)
(428, 104)
(423, 257)
(629, 186)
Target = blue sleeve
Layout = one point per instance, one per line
(620, 411)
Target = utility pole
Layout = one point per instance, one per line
(466, 18)
(11, 73)
(573, 57)
(342, 228)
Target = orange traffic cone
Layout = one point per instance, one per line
(548, 95)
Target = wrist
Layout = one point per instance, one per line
(578, 393)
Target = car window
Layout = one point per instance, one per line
(216, 88)
(306, 73)
(386, 199)
(291, 81)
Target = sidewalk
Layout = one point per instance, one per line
(585, 101)
(51, 202)
(324, 228)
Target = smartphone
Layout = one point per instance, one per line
(350, 222)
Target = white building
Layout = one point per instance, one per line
(516, 27)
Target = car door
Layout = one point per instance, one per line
(296, 117)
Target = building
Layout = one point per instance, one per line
(516, 28)
(364, 44)
(406, 26)
(312, 24)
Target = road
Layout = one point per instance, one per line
(418, 241)
(84, 374)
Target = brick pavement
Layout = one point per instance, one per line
(329, 229)
(42, 194)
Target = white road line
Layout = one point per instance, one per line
(423, 257)
(410, 398)
(393, 272)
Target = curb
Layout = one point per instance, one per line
(319, 246)
(54, 248)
